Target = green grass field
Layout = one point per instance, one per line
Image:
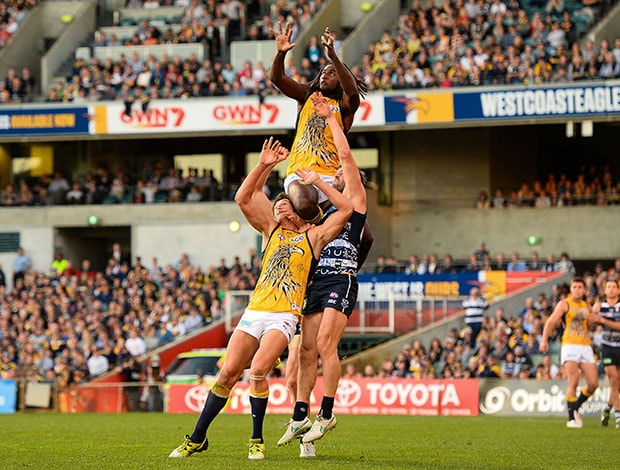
(144, 440)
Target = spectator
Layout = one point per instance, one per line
(535, 263)
(193, 321)
(369, 371)
(351, 371)
(481, 252)
(528, 307)
(5, 34)
(510, 369)
(21, 264)
(516, 264)
(412, 266)
(547, 369)
(60, 263)
(474, 307)
(9, 197)
(75, 195)
(565, 264)
(500, 262)
(432, 267)
(550, 264)
(523, 360)
(131, 372)
(57, 189)
(313, 54)
(97, 362)
(135, 344)
(234, 11)
(473, 265)
(499, 201)
(212, 38)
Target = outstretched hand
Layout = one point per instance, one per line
(283, 37)
(273, 152)
(327, 39)
(320, 105)
(307, 176)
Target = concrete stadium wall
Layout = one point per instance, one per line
(436, 176)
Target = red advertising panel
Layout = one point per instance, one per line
(354, 396)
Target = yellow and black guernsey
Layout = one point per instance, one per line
(576, 329)
(288, 263)
(314, 145)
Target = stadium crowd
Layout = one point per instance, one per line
(101, 187)
(460, 43)
(592, 187)
(157, 183)
(71, 324)
(65, 325)
(477, 42)
(12, 15)
(506, 346)
(480, 260)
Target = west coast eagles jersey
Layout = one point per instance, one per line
(314, 145)
(288, 263)
(576, 330)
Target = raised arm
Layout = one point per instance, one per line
(271, 159)
(322, 234)
(351, 96)
(287, 85)
(250, 197)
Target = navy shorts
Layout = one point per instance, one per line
(611, 356)
(338, 291)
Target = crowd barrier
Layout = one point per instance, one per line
(367, 396)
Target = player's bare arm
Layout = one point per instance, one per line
(321, 235)
(551, 323)
(365, 245)
(351, 97)
(270, 157)
(287, 85)
(250, 197)
(596, 319)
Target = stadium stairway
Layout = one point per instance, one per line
(210, 336)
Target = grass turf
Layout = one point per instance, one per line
(144, 440)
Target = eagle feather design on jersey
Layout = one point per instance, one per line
(313, 140)
(577, 325)
(278, 270)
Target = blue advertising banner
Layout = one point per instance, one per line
(507, 103)
(44, 121)
(8, 394)
(379, 286)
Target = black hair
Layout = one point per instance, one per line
(315, 84)
(279, 197)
